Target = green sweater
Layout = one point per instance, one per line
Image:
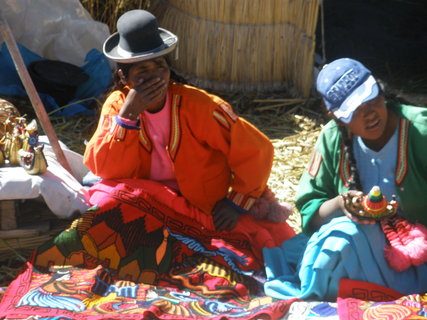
(328, 171)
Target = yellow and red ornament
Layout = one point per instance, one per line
(373, 205)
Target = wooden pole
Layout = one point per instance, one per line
(32, 93)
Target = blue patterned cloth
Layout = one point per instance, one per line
(37, 298)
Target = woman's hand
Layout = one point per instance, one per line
(145, 95)
(336, 207)
(352, 202)
(225, 216)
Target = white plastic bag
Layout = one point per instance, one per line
(54, 29)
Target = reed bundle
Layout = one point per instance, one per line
(108, 11)
(243, 45)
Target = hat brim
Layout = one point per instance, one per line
(367, 91)
(112, 50)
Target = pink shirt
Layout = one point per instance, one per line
(158, 126)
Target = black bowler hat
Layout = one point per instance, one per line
(138, 38)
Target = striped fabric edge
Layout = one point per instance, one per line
(243, 201)
(315, 162)
(221, 120)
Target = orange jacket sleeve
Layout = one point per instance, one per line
(249, 153)
(113, 151)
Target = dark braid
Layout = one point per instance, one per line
(354, 182)
(177, 78)
(174, 75)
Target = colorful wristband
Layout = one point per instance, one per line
(127, 123)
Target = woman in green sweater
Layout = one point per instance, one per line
(368, 143)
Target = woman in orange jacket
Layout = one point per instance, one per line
(197, 172)
(181, 136)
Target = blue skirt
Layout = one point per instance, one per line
(311, 268)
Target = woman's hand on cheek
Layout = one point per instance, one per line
(142, 96)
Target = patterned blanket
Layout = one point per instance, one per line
(142, 252)
(126, 300)
(74, 293)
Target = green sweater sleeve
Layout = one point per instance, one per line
(320, 180)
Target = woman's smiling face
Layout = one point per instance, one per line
(370, 119)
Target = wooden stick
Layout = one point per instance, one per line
(33, 94)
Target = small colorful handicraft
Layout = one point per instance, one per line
(373, 205)
(19, 144)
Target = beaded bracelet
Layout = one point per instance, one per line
(127, 123)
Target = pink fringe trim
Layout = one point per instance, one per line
(267, 207)
(408, 243)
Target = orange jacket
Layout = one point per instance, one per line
(215, 153)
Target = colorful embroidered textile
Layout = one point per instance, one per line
(366, 301)
(364, 290)
(142, 250)
(81, 294)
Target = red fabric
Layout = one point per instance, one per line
(359, 300)
(259, 233)
(366, 291)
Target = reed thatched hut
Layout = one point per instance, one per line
(243, 45)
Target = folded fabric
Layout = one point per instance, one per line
(366, 301)
(340, 249)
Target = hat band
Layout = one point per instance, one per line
(127, 54)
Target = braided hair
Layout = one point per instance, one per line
(174, 75)
(354, 183)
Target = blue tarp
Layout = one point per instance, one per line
(96, 67)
